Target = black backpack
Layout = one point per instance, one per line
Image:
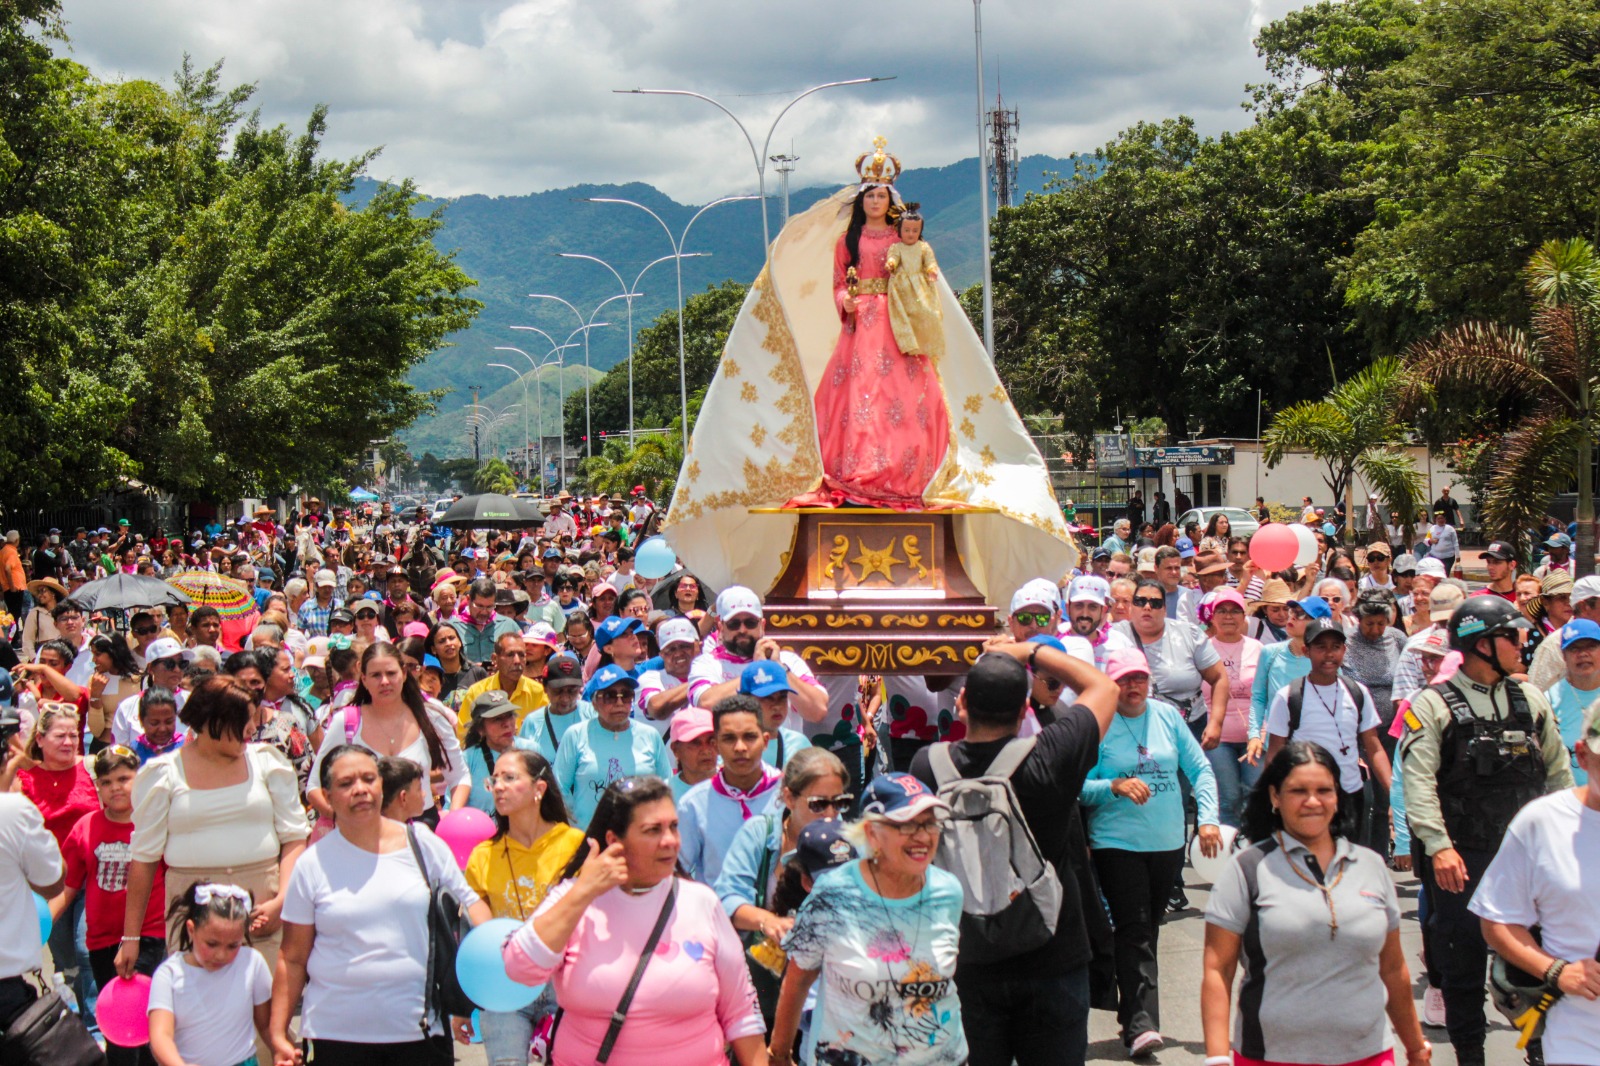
(447, 924)
(1297, 692)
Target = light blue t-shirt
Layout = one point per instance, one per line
(708, 821)
(1569, 704)
(1276, 668)
(790, 740)
(591, 757)
(537, 733)
(1155, 747)
(482, 769)
(887, 990)
(755, 845)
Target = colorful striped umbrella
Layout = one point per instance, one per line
(231, 598)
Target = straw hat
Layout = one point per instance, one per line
(47, 583)
(1276, 590)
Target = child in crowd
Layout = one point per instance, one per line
(96, 854)
(205, 1000)
(402, 788)
(158, 718)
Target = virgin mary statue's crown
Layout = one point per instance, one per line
(878, 167)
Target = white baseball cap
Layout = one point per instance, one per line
(1585, 588)
(1431, 567)
(1088, 588)
(1036, 593)
(677, 631)
(736, 600)
(541, 633)
(166, 648)
(327, 579)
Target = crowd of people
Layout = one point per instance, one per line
(709, 849)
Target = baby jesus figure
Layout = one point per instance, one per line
(914, 312)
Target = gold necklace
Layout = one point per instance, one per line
(1325, 887)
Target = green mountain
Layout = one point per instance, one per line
(512, 246)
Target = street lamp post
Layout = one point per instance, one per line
(527, 469)
(983, 191)
(560, 409)
(586, 325)
(630, 292)
(561, 377)
(678, 255)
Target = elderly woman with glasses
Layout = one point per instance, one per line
(1136, 833)
(643, 962)
(890, 920)
(813, 788)
(610, 745)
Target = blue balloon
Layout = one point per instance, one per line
(477, 1027)
(42, 905)
(482, 971)
(654, 558)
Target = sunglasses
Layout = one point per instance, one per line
(145, 631)
(1371, 558)
(366, 614)
(171, 664)
(614, 695)
(1147, 602)
(1032, 618)
(818, 804)
(1051, 683)
(743, 621)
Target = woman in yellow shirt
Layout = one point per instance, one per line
(512, 871)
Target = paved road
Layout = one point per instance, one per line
(1182, 939)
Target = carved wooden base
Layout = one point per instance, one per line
(878, 592)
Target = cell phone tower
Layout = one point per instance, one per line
(1001, 125)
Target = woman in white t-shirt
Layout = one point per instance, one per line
(355, 941)
(390, 716)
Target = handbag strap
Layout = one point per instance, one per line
(427, 978)
(620, 1015)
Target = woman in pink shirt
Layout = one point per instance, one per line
(1223, 614)
(588, 936)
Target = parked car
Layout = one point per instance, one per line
(440, 506)
(1241, 522)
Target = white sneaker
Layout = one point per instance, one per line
(1433, 1008)
(1146, 1043)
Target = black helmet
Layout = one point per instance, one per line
(1483, 616)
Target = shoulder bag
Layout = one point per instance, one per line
(447, 925)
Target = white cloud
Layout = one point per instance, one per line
(506, 98)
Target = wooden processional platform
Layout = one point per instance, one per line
(877, 591)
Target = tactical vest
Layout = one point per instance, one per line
(1484, 779)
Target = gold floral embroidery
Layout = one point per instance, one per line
(758, 435)
(967, 429)
(999, 394)
(987, 455)
(747, 393)
(973, 404)
(730, 368)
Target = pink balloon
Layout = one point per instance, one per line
(1273, 547)
(121, 1010)
(463, 830)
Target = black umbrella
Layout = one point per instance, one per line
(491, 510)
(123, 591)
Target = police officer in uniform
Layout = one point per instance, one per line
(1477, 748)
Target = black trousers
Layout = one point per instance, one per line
(1456, 948)
(15, 995)
(434, 1051)
(103, 963)
(1136, 885)
(1026, 1021)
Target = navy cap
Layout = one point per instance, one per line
(1324, 627)
(764, 678)
(899, 798)
(822, 846)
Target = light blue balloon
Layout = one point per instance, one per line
(477, 1028)
(654, 558)
(42, 905)
(482, 970)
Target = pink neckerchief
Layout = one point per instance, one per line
(770, 777)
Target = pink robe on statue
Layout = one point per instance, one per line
(881, 415)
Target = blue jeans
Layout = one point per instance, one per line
(1234, 778)
(506, 1034)
(1034, 1021)
(69, 952)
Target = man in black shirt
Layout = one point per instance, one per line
(1448, 504)
(1034, 1007)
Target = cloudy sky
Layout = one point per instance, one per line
(499, 97)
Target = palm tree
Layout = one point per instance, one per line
(653, 461)
(1547, 378)
(495, 476)
(1356, 429)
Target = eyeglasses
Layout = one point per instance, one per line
(818, 804)
(1032, 618)
(1371, 558)
(145, 631)
(933, 827)
(1148, 602)
(614, 695)
(1051, 683)
(366, 614)
(743, 621)
(168, 664)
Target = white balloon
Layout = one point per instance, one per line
(1208, 870)
(1308, 544)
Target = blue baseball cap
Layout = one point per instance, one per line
(1579, 629)
(1315, 607)
(615, 626)
(763, 678)
(430, 662)
(899, 798)
(608, 676)
(551, 553)
(1558, 540)
(1048, 641)
(1185, 548)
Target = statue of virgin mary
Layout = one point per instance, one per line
(815, 405)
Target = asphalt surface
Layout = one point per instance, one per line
(1181, 950)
